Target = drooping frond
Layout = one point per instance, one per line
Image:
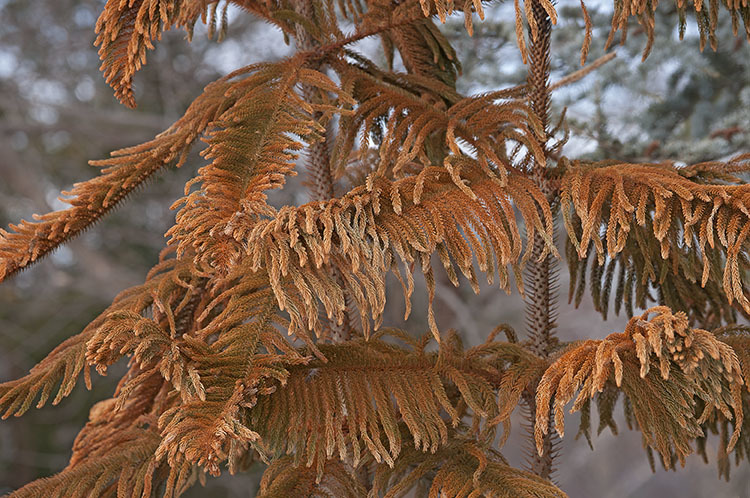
(424, 49)
(127, 28)
(113, 455)
(407, 113)
(129, 168)
(523, 369)
(407, 9)
(706, 18)
(610, 205)
(638, 276)
(253, 148)
(693, 368)
(65, 363)
(283, 479)
(459, 215)
(231, 372)
(445, 8)
(738, 338)
(460, 469)
(353, 403)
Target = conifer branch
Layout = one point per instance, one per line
(252, 147)
(125, 29)
(377, 227)
(738, 338)
(460, 468)
(693, 366)
(283, 479)
(65, 363)
(129, 168)
(353, 403)
(634, 207)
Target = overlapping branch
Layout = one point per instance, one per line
(459, 215)
(404, 113)
(207, 427)
(253, 148)
(354, 403)
(706, 18)
(638, 276)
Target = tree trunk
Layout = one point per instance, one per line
(541, 275)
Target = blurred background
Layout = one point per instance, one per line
(56, 113)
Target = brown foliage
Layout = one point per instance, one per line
(231, 360)
(693, 366)
(699, 223)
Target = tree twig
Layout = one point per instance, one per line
(581, 73)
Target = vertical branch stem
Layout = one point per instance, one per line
(320, 178)
(538, 73)
(541, 274)
(318, 161)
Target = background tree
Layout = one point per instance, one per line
(414, 64)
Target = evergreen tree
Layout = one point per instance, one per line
(259, 335)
